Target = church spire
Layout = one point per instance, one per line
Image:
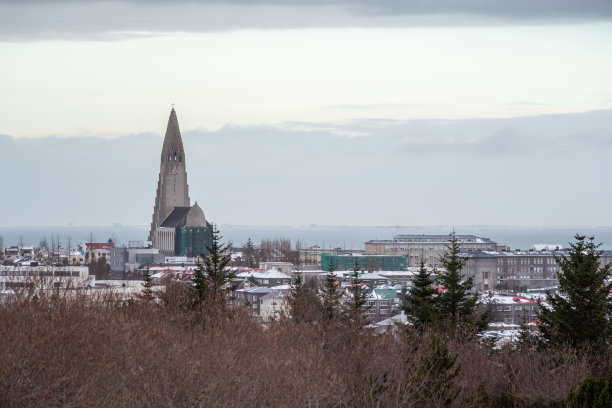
(173, 142)
(172, 188)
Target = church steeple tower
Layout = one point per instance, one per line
(172, 188)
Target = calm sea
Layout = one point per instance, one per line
(324, 236)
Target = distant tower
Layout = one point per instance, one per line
(172, 188)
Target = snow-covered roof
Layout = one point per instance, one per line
(281, 287)
(506, 299)
(270, 274)
(398, 318)
(546, 247)
(370, 276)
(502, 325)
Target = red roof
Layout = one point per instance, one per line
(99, 245)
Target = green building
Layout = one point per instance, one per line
(345, 262)
(192, 241)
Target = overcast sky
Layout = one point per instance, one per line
(345, 112)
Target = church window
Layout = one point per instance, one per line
(169, 157)
(174, 156)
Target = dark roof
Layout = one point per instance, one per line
(176, 218)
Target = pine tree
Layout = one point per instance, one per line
(356, 306)
(457, 303)
(580, 313)
(210, 280)
(419, 303)
(331, 294)
(147, 285)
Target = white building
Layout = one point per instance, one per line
(45, 277)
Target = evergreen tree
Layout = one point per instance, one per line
(457, 303)
(210, 281)
(580, 313)
(303, 299)
(249, 254)
(331, 294)
(147, 288)
(526, 338)
(419, 303)
(356, 306)
(592, 393)
(437, 375)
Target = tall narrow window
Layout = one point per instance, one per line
(174, 156)
(169, 157)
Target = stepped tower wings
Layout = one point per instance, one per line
(172, 188)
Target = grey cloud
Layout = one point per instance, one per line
(113, 20)
(300, 173)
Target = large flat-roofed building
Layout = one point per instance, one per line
(517, 271)
(428, 248)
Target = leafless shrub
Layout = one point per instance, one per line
(79, 351)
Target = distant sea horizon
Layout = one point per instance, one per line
(325, 236)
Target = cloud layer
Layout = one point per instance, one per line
(547, 170)
(116, 19)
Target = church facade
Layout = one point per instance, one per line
(177, 227)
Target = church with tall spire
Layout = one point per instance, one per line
(177, 227)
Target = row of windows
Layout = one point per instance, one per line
(180, 158)
(39, 273)
(516, 307)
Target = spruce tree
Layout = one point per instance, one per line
(249, 254)
(458, 302)
(295, 299)
(147, 285)
(331, 294)
(356, 306)
(419, 302)
(580, 313)
(303, 300)
(437, 375)
(210, 281)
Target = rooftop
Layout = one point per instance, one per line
(438, 238)
(176, 218)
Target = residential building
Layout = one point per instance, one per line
(382, 304)
(95, 251)
(285, 267)
(510, 309)
(268, 278)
